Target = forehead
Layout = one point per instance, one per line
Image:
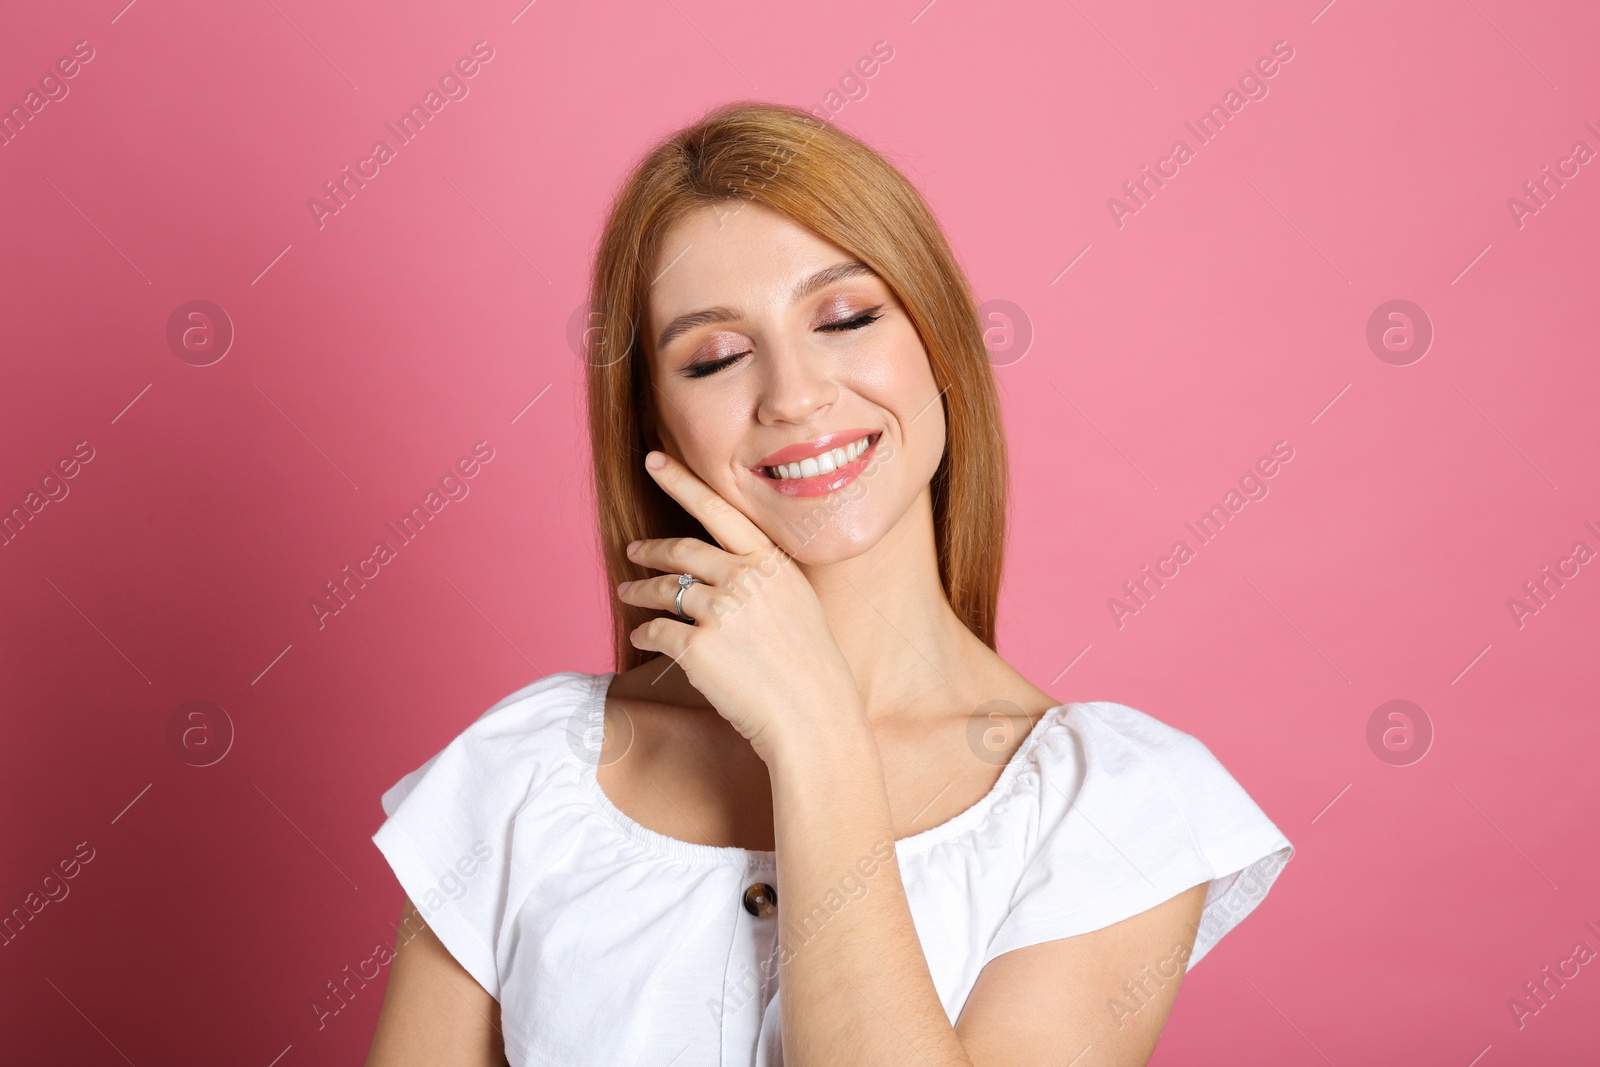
(738, 254)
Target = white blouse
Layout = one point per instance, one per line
(607, 943)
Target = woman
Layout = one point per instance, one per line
(817, 775)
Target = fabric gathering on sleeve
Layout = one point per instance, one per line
(1132, 812)
(450, 822)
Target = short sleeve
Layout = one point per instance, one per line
(450, 824)
(1132, 812)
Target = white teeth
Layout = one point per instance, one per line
(826, 463)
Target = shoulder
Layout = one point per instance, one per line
(561, 703)
(1112, 740)
(1108, 755)
(551, 719)
(1112, 729)
(1127, 811)
(453, 824)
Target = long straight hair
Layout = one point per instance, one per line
(842, 190)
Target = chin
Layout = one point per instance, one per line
(834, 551)
(818, 538)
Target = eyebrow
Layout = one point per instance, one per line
(820, 280)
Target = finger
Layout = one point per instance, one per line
(661, 594)
(682, 554)
(731, 527)
(663, 635)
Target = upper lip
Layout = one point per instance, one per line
(815, 447)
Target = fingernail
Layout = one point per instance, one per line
(655, 460)
(633, 546)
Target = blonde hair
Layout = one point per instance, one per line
(841, 189)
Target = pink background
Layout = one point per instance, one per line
(371, 353)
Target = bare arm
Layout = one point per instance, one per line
(434, 1013)
(1099, 999)
(858, 990)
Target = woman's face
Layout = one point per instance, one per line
(770, 349)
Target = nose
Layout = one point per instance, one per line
(796, 383)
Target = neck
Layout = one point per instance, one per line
(890, 616)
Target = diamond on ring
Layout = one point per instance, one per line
(685, 580)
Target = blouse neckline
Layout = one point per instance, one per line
(593, 711)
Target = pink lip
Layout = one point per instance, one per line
(807, 449)
(822, 484)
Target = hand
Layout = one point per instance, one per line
(760, 650)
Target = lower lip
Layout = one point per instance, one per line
(823, 484)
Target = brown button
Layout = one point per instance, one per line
(760, 899)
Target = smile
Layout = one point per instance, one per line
(823, 473)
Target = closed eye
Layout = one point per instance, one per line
(866, 318)
(703, 370)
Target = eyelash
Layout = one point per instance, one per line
(702, 370)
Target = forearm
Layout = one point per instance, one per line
(856, 988)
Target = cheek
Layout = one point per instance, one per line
(913, 373)
(894, 373)
(706, 447)
(705, 426)
(902, 382)
(911, 393)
